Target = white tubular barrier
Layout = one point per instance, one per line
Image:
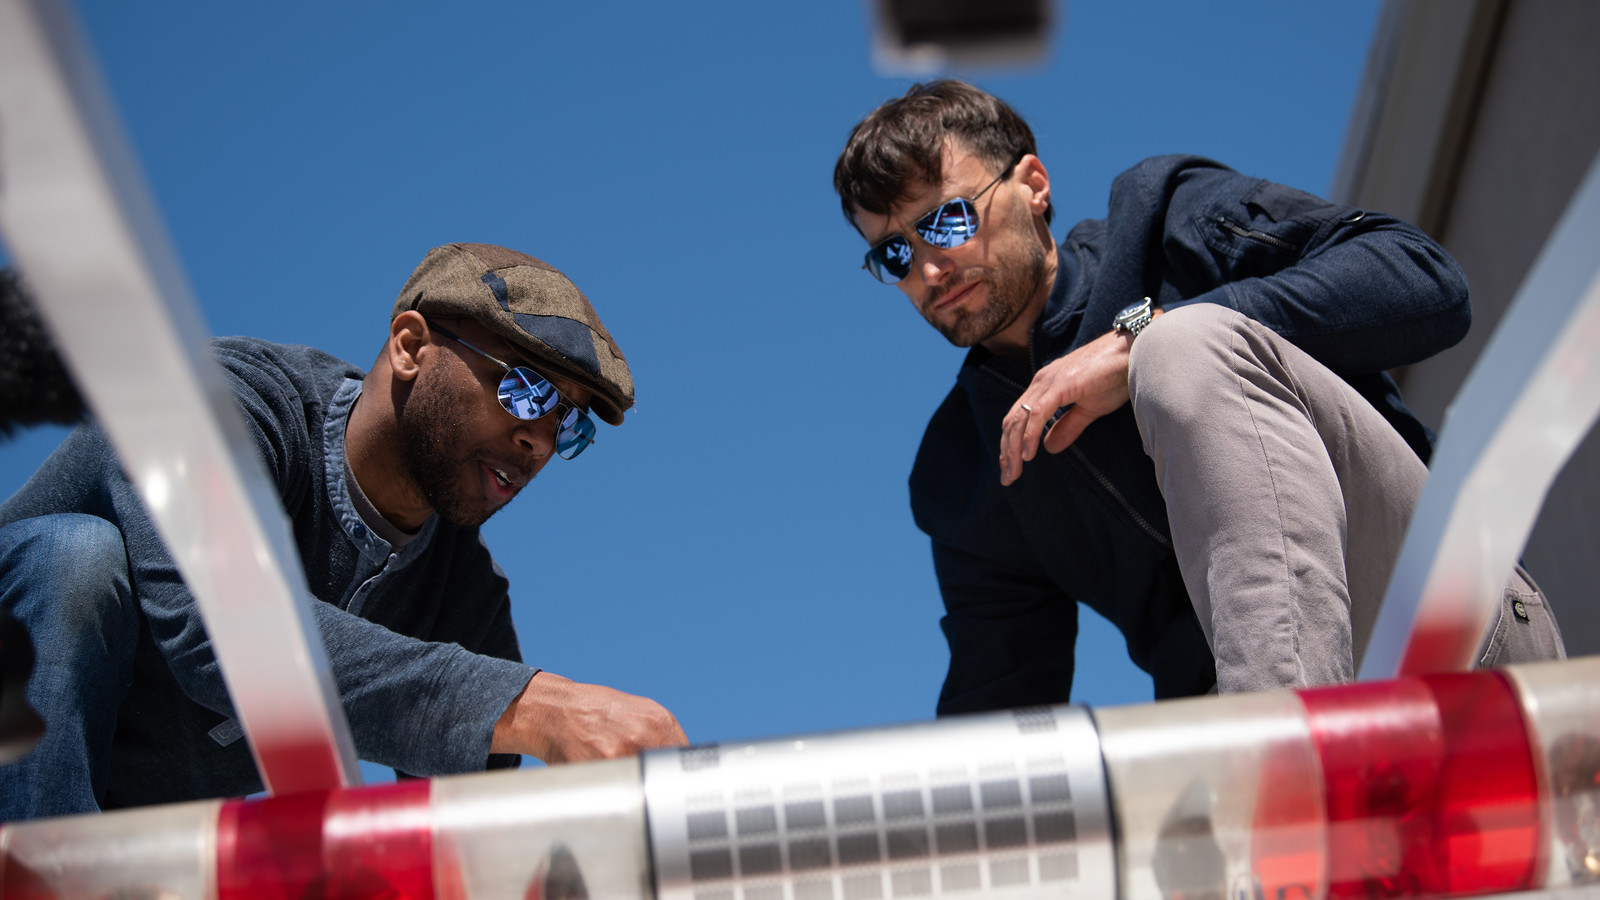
(1562, 703)
(1451, 785)
(80, 224)
(160, 853)
(515, 835)
(1216, 794)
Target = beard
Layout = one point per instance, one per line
(429, 425)
(1013, 281)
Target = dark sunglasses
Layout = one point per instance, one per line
(528, 395)
(951, 225)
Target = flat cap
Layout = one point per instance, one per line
(529, 303)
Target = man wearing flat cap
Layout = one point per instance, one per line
(493, 365)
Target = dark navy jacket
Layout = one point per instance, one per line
(1360, 291)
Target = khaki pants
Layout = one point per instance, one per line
(1288, 496)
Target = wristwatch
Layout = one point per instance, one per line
(1132, 320)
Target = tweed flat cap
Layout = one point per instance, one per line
(532, 305)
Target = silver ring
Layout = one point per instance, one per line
(1027, 407)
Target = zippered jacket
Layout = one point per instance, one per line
(1360, 291)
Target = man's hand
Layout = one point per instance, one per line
(560, 720)
(1092, 378)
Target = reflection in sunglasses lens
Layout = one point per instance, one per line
(575, 433)
(528, 396)
(525, 397)
(950, 225)
(947, 227)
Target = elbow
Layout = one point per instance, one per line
(1453, 296)
(1437, 287)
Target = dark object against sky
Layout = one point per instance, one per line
(921, 36)
(34, 385)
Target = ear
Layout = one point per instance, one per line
(408, 334)
(1034, 177)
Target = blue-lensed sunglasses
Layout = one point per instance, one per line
(951, 225)
(526, 394)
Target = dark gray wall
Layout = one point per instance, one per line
(1524, 146)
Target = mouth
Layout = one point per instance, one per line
(954, 295)
(503, 482)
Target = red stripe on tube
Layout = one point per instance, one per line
(1430, 787)
(19, 882)
(1438, 644)
(374, 842)
(301, 760)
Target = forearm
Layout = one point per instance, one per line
(559, 720)
(1387, 298)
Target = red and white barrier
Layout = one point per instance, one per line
(1439, 786)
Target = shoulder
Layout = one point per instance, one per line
(1195, 182)
(1187, 183)
(284, 390)
(254, 359)
(1159, 174)
(281, 373)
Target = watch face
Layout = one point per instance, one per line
(1134, 317)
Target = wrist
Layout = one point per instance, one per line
(524, 726)
(1134, 318)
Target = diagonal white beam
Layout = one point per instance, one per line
(79, 222)
(1530, 399)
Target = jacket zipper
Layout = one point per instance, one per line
(1100, 477)
(1251, 233)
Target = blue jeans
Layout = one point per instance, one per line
(65, 579)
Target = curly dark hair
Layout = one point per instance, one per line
(901, 143)
(34, 385)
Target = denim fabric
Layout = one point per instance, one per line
(420, 641)
(65, 579)
(1359, 291)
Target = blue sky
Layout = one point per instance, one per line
(742, 549)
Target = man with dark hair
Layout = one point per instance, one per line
(1231, 469)
(492, 363)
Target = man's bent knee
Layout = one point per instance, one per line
(1178, 342)
(69, 568)
(1180, 360)
(64, 578)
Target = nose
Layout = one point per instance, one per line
(536, 437)
(933, 263)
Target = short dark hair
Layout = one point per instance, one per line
(901, 143)
(34, 385)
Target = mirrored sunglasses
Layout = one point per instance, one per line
(954, 223)
(528, 395)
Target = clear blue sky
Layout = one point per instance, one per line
(741, 549)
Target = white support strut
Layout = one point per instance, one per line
(1530, 399)
(79, 222)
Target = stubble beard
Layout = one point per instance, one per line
(428, 427)
(1013, 281)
